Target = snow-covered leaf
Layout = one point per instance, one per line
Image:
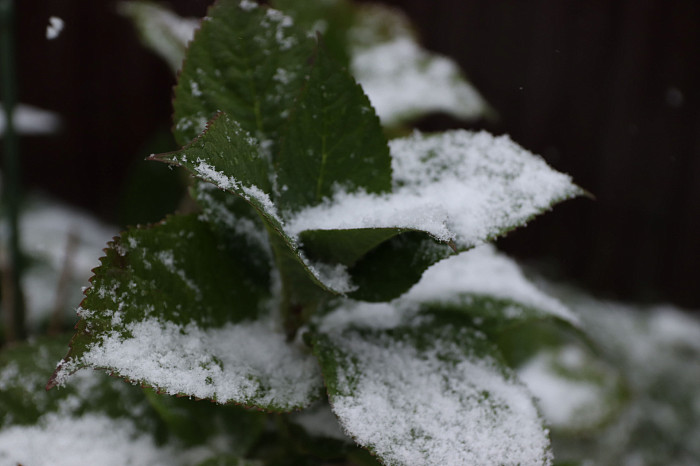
(161, 30)
(575, 391)
(333, 140)
(457, 185)
(656, 351)
(430, 393)
(404, 81)
(246, 60)
(176, 308)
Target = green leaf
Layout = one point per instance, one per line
(370, 253)
(430, 393)
(331, 18)
(483, 286)
(345, 246)
(226, 156)
(333, 140)
(411, 253)
(246, 60)
(457, 188)
(176, 308)
(229, 460)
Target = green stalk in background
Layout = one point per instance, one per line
(13, 301)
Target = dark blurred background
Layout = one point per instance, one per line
(605, 90)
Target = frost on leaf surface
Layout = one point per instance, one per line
(246, 60)
(333, 139)
(430, 394)
(177, 308)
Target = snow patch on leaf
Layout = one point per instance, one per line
(90, 439)
(430, 403)
(250, 193)
(484, 271)
(247, 363)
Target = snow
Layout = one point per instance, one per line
(249, 193)
(402, 80)
(89, 439)
(248, 363)
(61, 240)
(53, 30)
(31, 121)
(434, 406)
(461, 186)
(247, 5)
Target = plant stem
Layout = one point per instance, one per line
(12, 296)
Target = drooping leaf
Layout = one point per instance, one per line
(175, 308)
(333, 140)
(430, 393)
(246, 60)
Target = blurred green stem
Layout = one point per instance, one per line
(12, 294)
